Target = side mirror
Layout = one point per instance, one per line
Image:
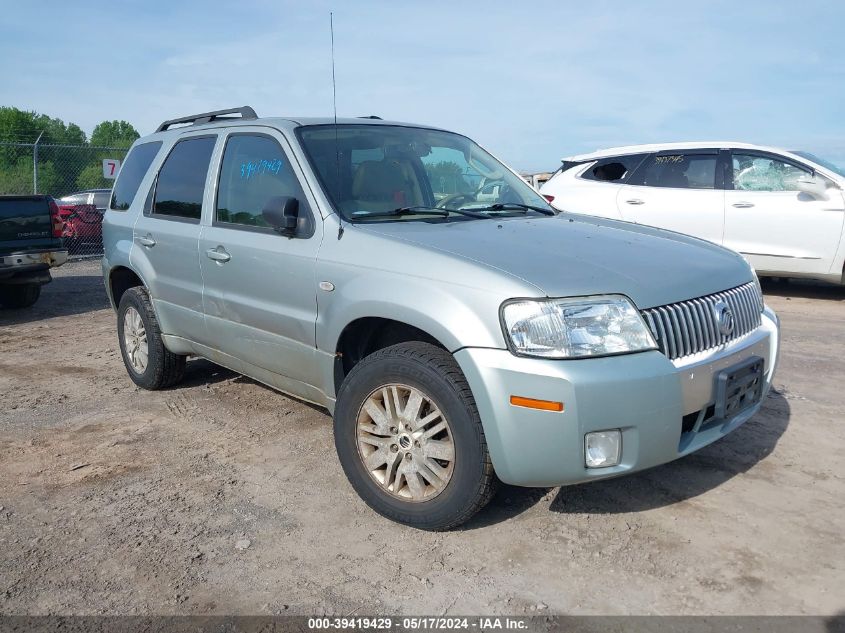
(282, 213)
(813, 185)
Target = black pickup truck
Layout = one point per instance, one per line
(30, 245)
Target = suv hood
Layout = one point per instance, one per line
(576, 255)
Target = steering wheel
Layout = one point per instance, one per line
(454, 197)
(508, 195)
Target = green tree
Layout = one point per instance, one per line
(92, 178)
(17, 125)
(16, 178)
(58, 132)
(58, 167)
(447, 177)
(106, 134)
(114, 134)
(24, 126)
(66, 160)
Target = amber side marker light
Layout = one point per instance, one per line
(531, 403)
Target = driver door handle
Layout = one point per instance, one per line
(218, 254)
(634, 201)
(147, 240)
(743, 205)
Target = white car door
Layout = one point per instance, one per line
(591, 188)
(777, 227)
(677, 190)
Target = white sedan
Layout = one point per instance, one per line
(783, 210)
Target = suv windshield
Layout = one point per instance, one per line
(392, 173)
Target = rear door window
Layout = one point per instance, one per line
(613, 169)
(181, 181)
(679, 171)
(132, 173)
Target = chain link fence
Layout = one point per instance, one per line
(74, 176)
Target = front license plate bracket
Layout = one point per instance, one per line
(739, 387)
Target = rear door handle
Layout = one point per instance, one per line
(218, 254)
(743, 205)
(147, 240)
(634, 201)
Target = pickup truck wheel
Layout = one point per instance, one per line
(19, 295)
(410, 440)
(149, 363)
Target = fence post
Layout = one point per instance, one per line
(35, 164)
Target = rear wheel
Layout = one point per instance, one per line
(149, 363)
(410, 440)
(19, 295)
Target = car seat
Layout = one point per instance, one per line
(382, 185)
(674, 175)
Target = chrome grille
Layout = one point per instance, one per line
(689, 327)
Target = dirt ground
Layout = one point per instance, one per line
(222, 496)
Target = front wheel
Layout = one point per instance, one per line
(410, 440)
(149, 363)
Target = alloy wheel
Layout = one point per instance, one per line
(135, 340)
(405, 443)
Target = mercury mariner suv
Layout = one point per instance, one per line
(458, 339)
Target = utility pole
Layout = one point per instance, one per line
(35, 164)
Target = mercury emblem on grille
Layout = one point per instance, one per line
(724, 317)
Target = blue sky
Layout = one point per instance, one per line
(532, 81)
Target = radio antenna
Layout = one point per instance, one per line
(336, 142)
(334, 87)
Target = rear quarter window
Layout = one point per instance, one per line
(613, 169)
(131, 174)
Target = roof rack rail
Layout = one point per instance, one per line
(371, 116)
(246, 113)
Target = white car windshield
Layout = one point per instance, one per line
(391, 172)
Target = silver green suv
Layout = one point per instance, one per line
(406, 280)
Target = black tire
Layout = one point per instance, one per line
(434, 372)
(19, 295)
(164, 368)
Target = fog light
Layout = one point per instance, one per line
(602, 448)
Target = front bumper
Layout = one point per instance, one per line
(662, 407)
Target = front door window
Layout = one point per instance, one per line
(760, 173)
(254, 171)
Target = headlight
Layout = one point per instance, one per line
(756, 278)
(757, 284)
(576, 327)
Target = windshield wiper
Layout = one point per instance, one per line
(441, 212)
(512, 206)
(467, 212)
(400, 211)
(448, 210)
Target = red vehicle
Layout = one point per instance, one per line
(82, 224)
(82, 215)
